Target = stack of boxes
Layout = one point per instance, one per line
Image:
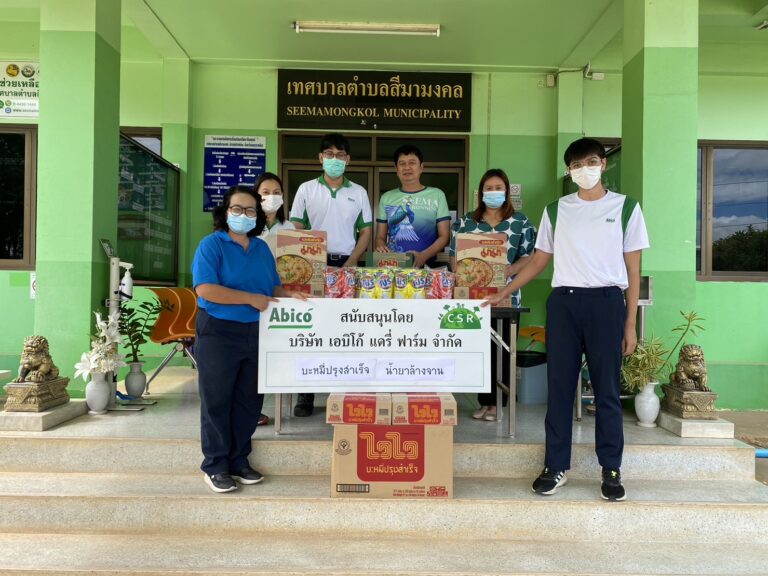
(392, 445)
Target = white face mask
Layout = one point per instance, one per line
(587, 177)
(271, 203)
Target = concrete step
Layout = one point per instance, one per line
(212, 554)
(484, 509)
(719, 460)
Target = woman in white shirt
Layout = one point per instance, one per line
(270, 189)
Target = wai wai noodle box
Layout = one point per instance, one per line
(410, 461)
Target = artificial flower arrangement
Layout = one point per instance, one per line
(103, 356)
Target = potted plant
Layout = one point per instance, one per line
(102, 359)
(640, 372)
(135, 323)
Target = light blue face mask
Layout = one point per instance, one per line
(494, 199)
(240, 224)
(334, 167)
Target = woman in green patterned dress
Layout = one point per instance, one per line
(495, 213)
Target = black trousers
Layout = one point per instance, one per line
(337, 260)
(227, 360)
(586, 321)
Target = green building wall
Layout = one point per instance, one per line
(514, 127)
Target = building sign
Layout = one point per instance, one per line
(396, 101)
(228, 161)
(367, 345)
(20, 89)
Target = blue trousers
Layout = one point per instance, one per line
(586, 321)
(227, 360)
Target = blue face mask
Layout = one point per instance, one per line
(494, 199)
(240, 224)
(334, 167)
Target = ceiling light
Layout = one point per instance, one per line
(366, 28)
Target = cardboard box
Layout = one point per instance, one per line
(481, 261)
(301, 259)
(467, 293)
(410, 461)
(395, 259)
(424, 408)
(344, 408)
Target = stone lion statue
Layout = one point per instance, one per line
(36, 363)
(691, 373)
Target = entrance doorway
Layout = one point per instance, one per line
(372, 166)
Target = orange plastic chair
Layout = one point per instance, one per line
(535, 333)
(175, 324)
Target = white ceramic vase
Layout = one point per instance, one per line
(112, 381)
(647, 406)
(97, 393)
(135, 380)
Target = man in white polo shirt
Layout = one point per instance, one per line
(335, 204)
(596, 238)
(339, 207)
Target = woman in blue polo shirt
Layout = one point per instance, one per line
(235, 278)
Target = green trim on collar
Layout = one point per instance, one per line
(344, 184)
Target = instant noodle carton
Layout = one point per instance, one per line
(374, 408)
(435, 408)
(394, 259)
(481, 261)
(301, 260)
(410, 461)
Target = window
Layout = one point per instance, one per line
(147, 214)
(150, 138)
(732, 212)
(18, 152)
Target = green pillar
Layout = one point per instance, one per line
(570, 120)
(177, 136)
(77, 169)
(659, 138)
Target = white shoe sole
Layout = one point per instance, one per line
(604, 497)
(241, 480)
(563, 482)
(213, 487)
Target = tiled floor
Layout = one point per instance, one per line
(176, 415)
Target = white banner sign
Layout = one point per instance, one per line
(20, 89)
(346, 345)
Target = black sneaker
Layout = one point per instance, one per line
(611, 488)
(549, 481)
(247, 476)
(305, 405)
(220, 482)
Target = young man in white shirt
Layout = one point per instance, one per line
(341, 208)
(596, 238)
